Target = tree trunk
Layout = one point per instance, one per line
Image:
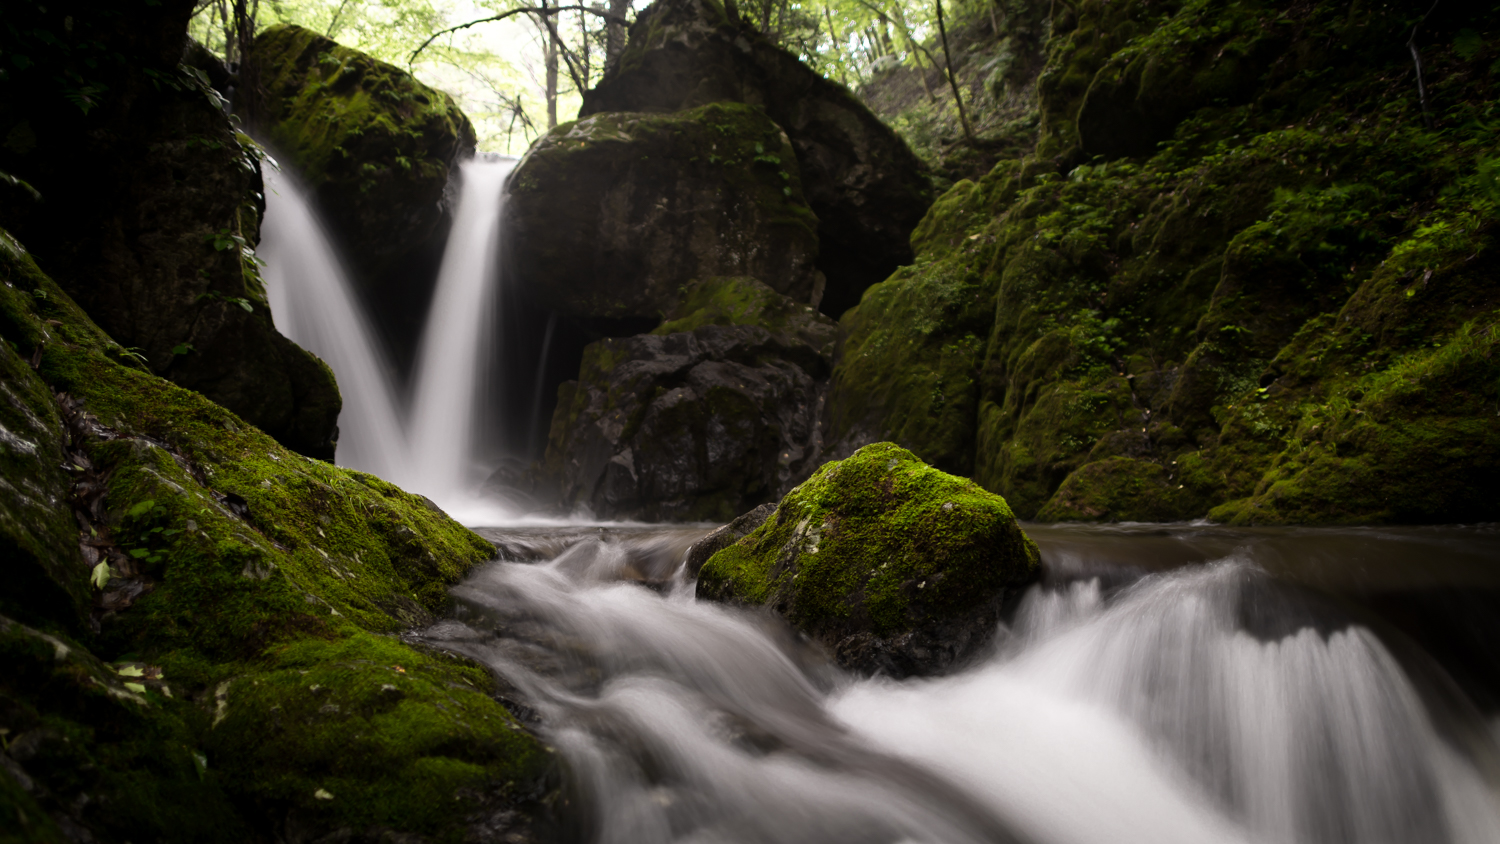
(551, 74)
(614, 34)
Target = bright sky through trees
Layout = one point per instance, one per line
(497, 71)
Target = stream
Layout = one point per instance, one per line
(1163, 683)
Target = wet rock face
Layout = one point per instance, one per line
(609, 217)
(149, 204)
(892, 565)
(867, 188)
(699, 422)
(376, 148)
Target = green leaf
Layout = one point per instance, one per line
(244, 304)
(100, 575)
(130, 671)
(183, 348)
(140, 553)
(141, 508)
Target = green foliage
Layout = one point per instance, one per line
(1158, 330)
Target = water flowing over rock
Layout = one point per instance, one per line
(863, 182)
(891, 564)
(150, 206)
(377, 149)
(610, 216)
(711, 414)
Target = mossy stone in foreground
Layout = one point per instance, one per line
(223, 576)
(889, 562)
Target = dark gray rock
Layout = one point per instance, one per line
(725, 536)
(611, 216)
(699, 422)
(866, 186)
(150, 203)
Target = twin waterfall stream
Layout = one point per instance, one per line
(1165, 683)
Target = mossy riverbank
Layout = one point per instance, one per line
(205, 637)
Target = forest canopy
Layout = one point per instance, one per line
(520, 74)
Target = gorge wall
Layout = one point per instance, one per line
(1240, 277)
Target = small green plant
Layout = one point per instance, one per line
(215, 296)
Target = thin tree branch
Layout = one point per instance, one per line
(1416, 58)
(517, 11)
(948, 61)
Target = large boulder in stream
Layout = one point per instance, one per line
(866, 186)
(376, 149)
(609, 217)
(149, 206)
(709, 415)
(891, 564)
(198, 626)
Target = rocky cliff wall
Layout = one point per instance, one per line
(149, 207)
(1241, 277)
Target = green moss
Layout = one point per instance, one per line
(1164, 328)
(737, 300)
(880, 541)
(130, 743)
(259, 563)
(366, 731)
(347, 117)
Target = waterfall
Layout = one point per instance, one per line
(427, 446)
(458, 342)
(313, 304)
(1207, 704)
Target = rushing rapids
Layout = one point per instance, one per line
(1153, 689)
(1163, 684)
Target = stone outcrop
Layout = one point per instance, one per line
(892, 565)
(150, 204)
(713, 413)
(609, 217)
(1213, 291)
(196, 625)
(377, 150)
(862, 181)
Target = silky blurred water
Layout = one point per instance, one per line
(1224, 692)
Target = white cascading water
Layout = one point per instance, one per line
(457, 342)
(313, 304)
(428, 444)
(1165, 711)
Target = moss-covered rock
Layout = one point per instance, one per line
(862, 181)
(890, 563)
(220, 564)
(376, 148)
(611, 216)
(150, 207)
(713, 413)
(1216, 325)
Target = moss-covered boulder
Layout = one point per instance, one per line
(611, 216)
(150, 205)
(1249, 320)
(862, 181)
(711, 414)
(186, 558)
(893, 565)
(377, 149)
